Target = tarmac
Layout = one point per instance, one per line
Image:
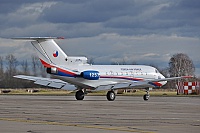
(61, 114)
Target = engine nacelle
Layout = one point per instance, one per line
(90, 75)
(52, 70)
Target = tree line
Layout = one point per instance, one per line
(179, 65)
(10, 66)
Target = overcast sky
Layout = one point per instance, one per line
(141, 31)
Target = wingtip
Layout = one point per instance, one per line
(187, 77)
(61, 37)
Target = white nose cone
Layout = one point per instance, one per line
(160, 76)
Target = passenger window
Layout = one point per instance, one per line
(111, 73)
(131, 73)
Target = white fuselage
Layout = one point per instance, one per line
(112, 74)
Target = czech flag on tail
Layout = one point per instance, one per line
(55, 54)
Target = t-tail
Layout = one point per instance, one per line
(50, 53)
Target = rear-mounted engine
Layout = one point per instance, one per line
(90, 75)
(52, 70)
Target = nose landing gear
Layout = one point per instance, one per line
(146, 96)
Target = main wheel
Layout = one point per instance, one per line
(79, 95)
(111, 95)
(146, 97)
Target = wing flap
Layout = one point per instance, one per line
(56, 85)
(42, 82)
(105, 87)
(122, 85)
(69, 87)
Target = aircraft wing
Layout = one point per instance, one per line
(140, 84)
(56, 83)
(171, 78)
(60, 84)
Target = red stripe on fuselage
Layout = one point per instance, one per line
(157, 84)
(122, 77)
(65, 71)
(45, 64)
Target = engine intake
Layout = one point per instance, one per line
(90, 75)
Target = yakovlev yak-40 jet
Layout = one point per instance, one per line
(83, 76)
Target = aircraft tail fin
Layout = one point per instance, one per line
(48, 50)
(50, 53)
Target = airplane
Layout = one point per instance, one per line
(74, 73)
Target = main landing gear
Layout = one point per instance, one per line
(111, 95)
(79, 95)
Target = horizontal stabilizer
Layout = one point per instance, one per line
(36, 38)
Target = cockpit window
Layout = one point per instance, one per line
(156, 71)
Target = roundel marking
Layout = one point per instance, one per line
(55, 54)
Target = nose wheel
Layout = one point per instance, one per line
(146, 96)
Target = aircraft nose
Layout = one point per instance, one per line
(162, 77)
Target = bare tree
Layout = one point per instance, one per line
(180, 65)
(11, 70)
(37, 67)
(12, 64)
(42, 70)
(34, 64)
(1, 72)
(1, 66)
(24, 65)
